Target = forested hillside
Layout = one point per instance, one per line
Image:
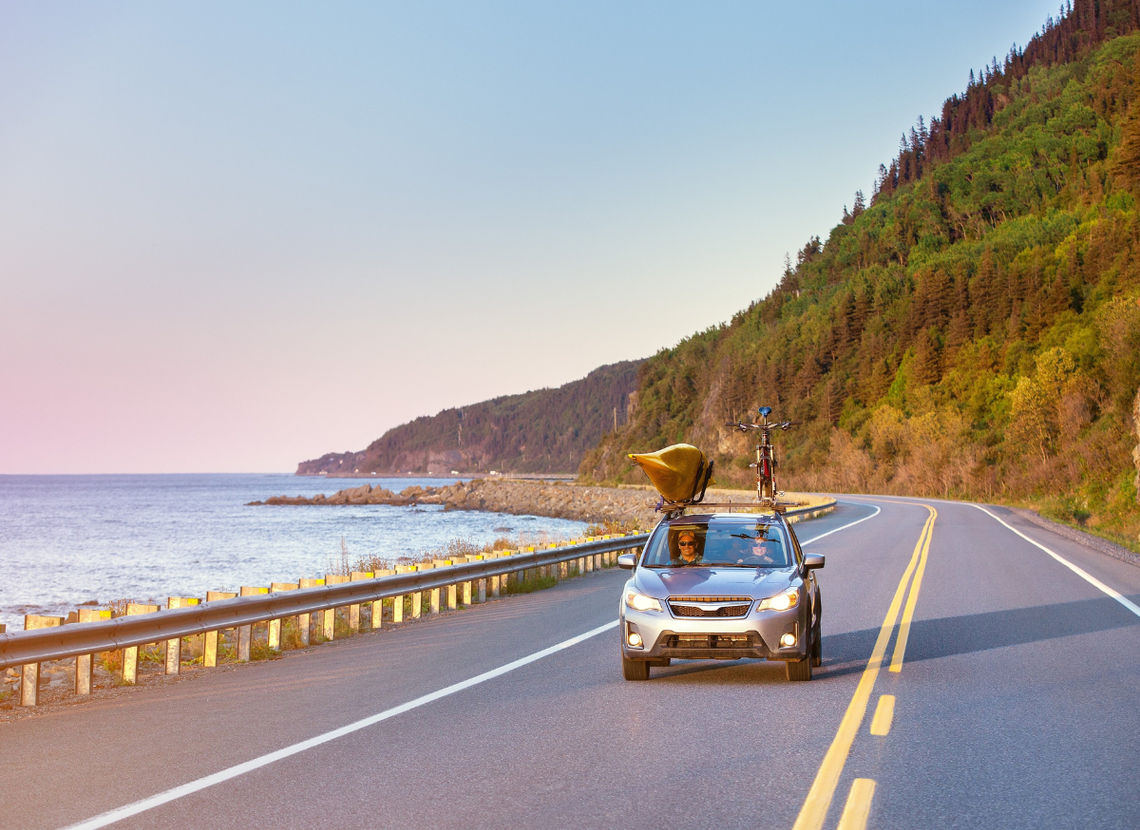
(544, 431)
(974, 330)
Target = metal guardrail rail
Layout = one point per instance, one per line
(23, 647)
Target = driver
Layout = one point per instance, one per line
(688, 554)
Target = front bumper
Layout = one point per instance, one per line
(757, 636)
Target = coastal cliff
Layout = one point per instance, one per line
(537, 432)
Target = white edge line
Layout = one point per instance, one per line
(190, 787)
(844, 527)
(1087, 577)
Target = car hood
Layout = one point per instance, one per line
(713, 581)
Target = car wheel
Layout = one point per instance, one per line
(634, 669)
(798, 669)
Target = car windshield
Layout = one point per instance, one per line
(746, 544)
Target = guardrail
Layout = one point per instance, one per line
(146, 624)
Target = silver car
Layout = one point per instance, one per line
(721, 586)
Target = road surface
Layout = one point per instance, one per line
(979, 670)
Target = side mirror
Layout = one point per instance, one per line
(813, 561)
(627, 561)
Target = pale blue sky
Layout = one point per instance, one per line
(237, 235)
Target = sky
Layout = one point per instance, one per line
(238, 235)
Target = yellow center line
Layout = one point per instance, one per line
(912, 598)
(858, 808)
(884, 714)
(819, 797)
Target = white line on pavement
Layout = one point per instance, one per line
(249, 766)
(844, 527)
(1087, 577)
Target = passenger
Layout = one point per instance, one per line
(762, 553)
(767, 554)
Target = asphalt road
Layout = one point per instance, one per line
(1014, 706)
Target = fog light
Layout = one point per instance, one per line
(788, 640)
(634, 639)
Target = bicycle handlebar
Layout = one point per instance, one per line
(743, 427)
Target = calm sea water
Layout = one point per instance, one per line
(67, 540)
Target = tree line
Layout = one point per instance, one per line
(974, 330)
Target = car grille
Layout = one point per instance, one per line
(710, 606)
(711, 642)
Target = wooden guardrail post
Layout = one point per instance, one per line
(491, 583)
(436, 593)
(30, 672)
(482, 584)
(398, 601)
(505, 579)
(378, 604)
(549, 571)
(131, 653)
(273, 629)
(210, 643)
(516, 578)
(328, 616)
(245, 632)
(418, 596)
(525, 575)
(85, 663)
(432, 595)
(354, 610)
(174, 646)
(466, 588)
(452, 589)
(305, 621)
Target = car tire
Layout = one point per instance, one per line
(798, 669)
(634, 669)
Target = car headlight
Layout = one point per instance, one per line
(781, 602)
(640, 602)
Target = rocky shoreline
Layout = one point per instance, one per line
(630, 506)
(557, 499)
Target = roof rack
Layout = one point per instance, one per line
(675, 509)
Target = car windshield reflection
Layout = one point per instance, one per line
(755, 544)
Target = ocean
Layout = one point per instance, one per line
(76, 539)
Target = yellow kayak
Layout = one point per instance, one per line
(678, 471)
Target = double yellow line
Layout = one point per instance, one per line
(858, 806)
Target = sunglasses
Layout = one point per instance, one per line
(687, 544)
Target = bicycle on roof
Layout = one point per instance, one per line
(765, 463)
